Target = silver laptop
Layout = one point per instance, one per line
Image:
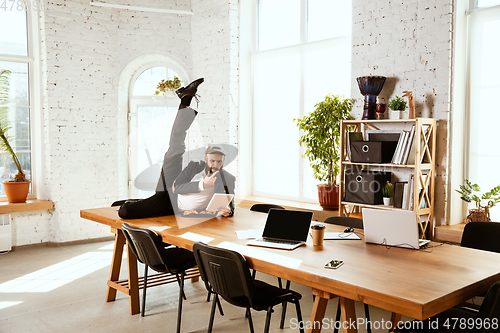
(392, 227)
(285, 229)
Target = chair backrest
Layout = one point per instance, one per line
(490, 309)
(226, 271)
(264, 208)
(345, 221)
(146, 245)
(482, 236)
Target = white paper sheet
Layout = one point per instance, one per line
(249, 233)
(340, 235)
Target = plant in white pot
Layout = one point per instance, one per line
(321, 139)
(387, 193)
(16, 190)
(398, 107)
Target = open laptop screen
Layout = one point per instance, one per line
(288, 224)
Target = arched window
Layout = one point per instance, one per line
(150, 120)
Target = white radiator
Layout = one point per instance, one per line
(5, 233)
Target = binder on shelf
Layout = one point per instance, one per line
(398, 194)
(410, 193)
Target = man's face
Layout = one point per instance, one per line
(214, 162)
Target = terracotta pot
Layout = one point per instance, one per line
(328, 197)
(16, 191)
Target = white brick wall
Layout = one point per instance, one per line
(409, 42)
(88, 48)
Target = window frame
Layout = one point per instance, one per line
(136, 101)
(249, 51)
(32, 59)
(459, 143)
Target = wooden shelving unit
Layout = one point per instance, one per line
(423, 169)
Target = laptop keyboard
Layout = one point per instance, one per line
(277, 240)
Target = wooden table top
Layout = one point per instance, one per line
(417, 284)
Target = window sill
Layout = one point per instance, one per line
(28, 206)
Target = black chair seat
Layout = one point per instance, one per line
(265, 295)
(177, 260)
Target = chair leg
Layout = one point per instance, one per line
(212, 314)
(144, 290)
(367, 315)
(179, 283)
(250, 321)
(219, 306)
(283, 308)
(299, 316)
(337, 319)
(268, 319)
(279, 283)
(181, 294)
(253, 274)
(208, 296)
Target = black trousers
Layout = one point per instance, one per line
(164, 201)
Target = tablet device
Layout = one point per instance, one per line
(219, 200)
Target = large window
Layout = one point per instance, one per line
(16, 55)
(484, 115)
(302, 52)
(150, 121)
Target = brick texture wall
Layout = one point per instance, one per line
(409, 42)
(85, 49)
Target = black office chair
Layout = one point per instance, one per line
(481, 236)
(227, 272)
(265, 208)
(347, 221)
(474, 320)
(352, 222)
(161, 257)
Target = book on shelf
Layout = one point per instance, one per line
(399, 148)
(409, 145)
(410, 193)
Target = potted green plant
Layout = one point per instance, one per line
(387, 193)
(471, 192)
(168, 85)
(398, 107)
(321, 139)
(16, 190)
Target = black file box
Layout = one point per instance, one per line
(365, 186)
(373, 151)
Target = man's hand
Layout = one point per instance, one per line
(210, 180)
(225, 211)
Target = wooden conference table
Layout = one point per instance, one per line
(417, 284)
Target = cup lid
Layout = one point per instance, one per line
(318, 226)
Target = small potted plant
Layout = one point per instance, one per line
(471, 192)
(387, 193)
(168, 85)
(398, 107)
(16, 190)
(321, 138)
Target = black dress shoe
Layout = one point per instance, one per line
(190, 89)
